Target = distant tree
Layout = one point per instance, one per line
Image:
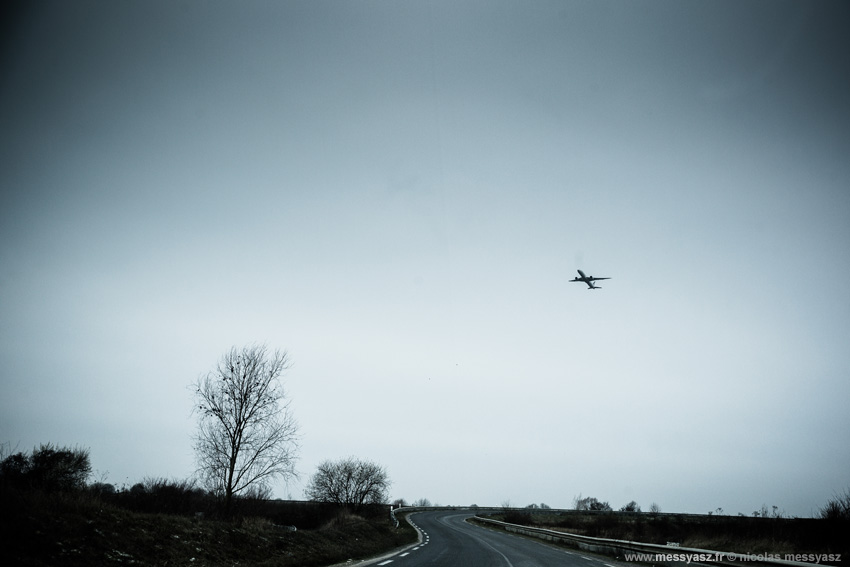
(48, 468)
(399, 503)
(592, 504)
(422, 503)
(654, 508)
(349, 482)
(545, 506)
(246, 434)
(631, 507)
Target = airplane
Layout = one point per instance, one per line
(588, 280)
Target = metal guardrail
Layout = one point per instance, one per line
(666, 555)
(410, 509)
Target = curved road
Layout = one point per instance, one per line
(449, 541)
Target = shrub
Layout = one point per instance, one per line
(49, 468)
(631, 507)
(517, 516)
(161, 495)
(837, 508)
(102, 488)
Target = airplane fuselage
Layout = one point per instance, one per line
(588, 280)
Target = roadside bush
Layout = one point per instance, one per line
(14, 469)
(160, 495)
(517, 516)
(837, 508)
(306, 515)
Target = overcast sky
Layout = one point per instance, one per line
(398, 193)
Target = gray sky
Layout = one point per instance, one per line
(398, 193)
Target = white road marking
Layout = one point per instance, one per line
(387, 562)
(608, 564)
(508, 561)
(403, 554)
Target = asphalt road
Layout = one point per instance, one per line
(449, 541)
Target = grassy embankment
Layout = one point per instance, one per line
(80, 528)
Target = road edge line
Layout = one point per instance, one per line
(396, 551)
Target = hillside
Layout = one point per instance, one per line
(80, 528)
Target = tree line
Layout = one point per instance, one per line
(247, 437)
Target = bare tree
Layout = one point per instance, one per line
(590, 503)
(246, 435)
(349, 482)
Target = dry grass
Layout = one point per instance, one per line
(753, 546)
(342, 519)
